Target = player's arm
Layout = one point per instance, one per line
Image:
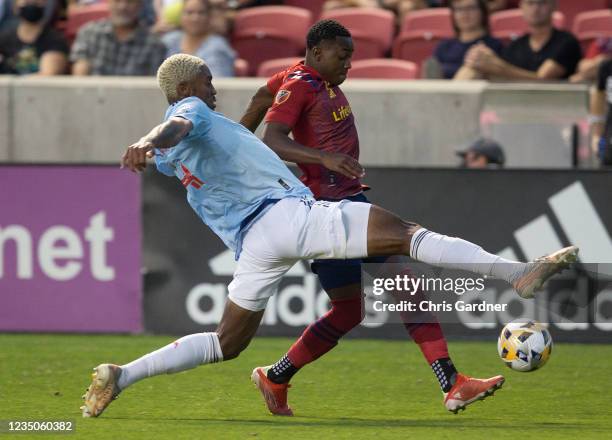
(165, 135)
(257, 108)
(276, 136)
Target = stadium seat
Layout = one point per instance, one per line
(314, 6)
(241, 67)
(78, 15)
(372, 29)
(435, 20)
(593, 21)
(509, 25)
(571, 8)
(269, 32)
(416, 46)
(384, 68)
(270, 67)
(589, 26)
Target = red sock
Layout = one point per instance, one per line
(430, 339)
(323, 334)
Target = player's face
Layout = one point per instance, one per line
(204, 89)
(334, 59)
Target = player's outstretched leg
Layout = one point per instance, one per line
(390, 235)
(233, 335)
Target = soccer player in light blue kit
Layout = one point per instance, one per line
(249, 198)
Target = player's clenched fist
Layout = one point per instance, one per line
(135, 157)
(343, 164)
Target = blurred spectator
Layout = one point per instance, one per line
(483, 153)
(6, 13)
(196, 38)
(338, 4)
(497, 5)
(168, 15)
(404, 7)
(601, 97)
(545, 53)
(470, 20)
(598, 51)
(117, 46)
(241, 4)
(29, 45)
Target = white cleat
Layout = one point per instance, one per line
(102, 391)
(541, 269)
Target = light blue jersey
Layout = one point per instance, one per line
(228, 172)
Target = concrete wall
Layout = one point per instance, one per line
(418, 123)
(5, 119)
(533, 122)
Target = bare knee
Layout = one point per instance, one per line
(388, 234)
(232, 344)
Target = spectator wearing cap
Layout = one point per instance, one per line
(543, 54)
(483, 153)
(120, 45)
(470, 19)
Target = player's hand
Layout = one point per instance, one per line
(343, 164)
(135, 157)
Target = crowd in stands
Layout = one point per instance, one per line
(460, 40)
(530, 40)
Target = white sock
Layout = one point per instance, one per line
(183, 354)
(455, 253)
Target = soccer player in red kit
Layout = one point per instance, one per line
(307, 101)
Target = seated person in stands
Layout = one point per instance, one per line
(119, 45)
(470, 20)
(339, 4)
(544, 53)
(599, 50)
(601, 114)
(498, 5)
(29, 46)
(403, 7)
(196, 38)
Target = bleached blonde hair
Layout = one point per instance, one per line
(175, 70)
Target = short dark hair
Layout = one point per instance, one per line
(325, 30)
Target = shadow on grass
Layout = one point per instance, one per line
(355, 422)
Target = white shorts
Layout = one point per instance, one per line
(295, 229)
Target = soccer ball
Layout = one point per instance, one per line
(524, 345)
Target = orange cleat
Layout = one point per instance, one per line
(275, 394)
(102, 391)
(468, 390)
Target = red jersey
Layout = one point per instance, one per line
(319, 117)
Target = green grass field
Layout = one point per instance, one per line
(363, 389)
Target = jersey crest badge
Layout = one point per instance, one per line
(282, 96)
